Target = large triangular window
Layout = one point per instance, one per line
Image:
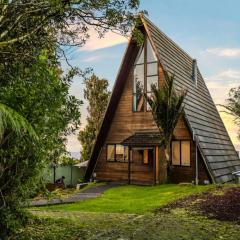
(145, 75)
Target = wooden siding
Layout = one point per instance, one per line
(124, 124)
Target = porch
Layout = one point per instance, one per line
(143, 152)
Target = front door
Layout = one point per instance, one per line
(141, 165)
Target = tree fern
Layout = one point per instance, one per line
(9, 118)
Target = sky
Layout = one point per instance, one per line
(208, 30)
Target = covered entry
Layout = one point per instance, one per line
(143, 152)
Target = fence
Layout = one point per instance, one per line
(72, 174)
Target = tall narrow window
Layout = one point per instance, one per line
(110, 153)
(145, 75)
(176, 153)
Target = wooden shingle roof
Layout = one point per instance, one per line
(214, 143)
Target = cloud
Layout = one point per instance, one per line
(92, 59)
(224, 52)
(110, 39)
(219, 86)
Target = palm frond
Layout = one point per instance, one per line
(9, 118)
(167, 107)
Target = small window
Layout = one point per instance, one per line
(111, 153)
(117, 153)
(181, 153)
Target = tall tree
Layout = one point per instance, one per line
(96, 93)
(232, 105)
(33, 35)
(167, 107)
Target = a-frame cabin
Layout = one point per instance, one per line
(127, 147)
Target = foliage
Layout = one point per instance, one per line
(97, 94)
(33, 35)
(131, 199)
(40, 94)
(11, 119)
(65, 160)
(232, 105)
(167, 107)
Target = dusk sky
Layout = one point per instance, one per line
(208, 30)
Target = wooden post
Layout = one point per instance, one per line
(157, 165)
(129, 164)
(154, 166)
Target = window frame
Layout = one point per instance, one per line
(180, 141)
(125, 160)
(145, 90)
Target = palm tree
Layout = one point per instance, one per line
(9, 118)
(167, 107)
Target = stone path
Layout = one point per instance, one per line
(89, 193)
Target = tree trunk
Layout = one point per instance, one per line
(163, 165)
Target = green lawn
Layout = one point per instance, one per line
(131, 199)
(126, 212)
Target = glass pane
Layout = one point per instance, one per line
(185, 153)
(152, 69)
(145, 156)
(176, 152)
(148, 106)
(140, 56)
(119, 153)
(110, 152)
(138, 79)
(151, 81)
(126, 154)
(138, 102)
(150, 53)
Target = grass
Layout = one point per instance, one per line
(179, 224)
(127, 212)
(131, 199)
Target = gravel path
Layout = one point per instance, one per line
(89, 193)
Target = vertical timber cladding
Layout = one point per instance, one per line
(125, 123)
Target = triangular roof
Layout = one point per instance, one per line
(204, 121)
